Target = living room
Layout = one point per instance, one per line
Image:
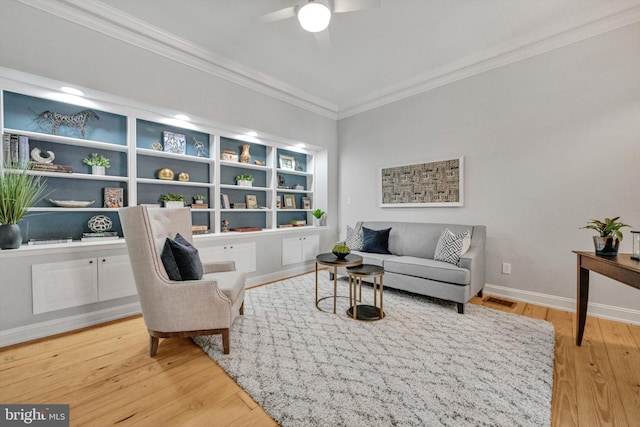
(548, 129)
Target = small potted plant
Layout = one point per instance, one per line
(198, 199)
(319, 217)
(341, 251)
(18, 192)
(98, 163)
(172, 200)
(608, 240)
(245, 180)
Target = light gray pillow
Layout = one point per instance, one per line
(449, 247)
(354, 239)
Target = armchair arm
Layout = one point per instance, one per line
(218, 266)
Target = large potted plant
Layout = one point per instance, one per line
(18, 192)
(608, 240)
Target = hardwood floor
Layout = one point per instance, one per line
(108, 378)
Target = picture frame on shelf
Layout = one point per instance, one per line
(251, 201)
(175, 143)
(289, 201)
(278, 202)
(306, 203)
(113, 198)
(287, 162)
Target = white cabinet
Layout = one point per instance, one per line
(243, 254)
(300, 249)
(67, 284)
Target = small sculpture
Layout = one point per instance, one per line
(76, 121)
(35, 155)
(100, 223)
(166, 174)
(199, 146)
(245, 157)
(225, 225)
(156, 146)
(183, 176)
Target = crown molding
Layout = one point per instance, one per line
(514, 51)
(112, 22)
(100, 17)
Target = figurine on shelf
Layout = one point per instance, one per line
(298, 166)
(245, 157)
(225, 225)
(281, 182)
(199, 146)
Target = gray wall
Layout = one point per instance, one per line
(549, 142)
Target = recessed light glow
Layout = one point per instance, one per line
(252, 133)
(182, 117)
(314, 17)
(72, 91)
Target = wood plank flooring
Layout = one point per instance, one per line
(106, 375)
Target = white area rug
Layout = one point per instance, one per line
(422, 365)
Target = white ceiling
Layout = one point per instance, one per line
(376, 55)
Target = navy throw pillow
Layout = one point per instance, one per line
(185, 258)
(375, 241)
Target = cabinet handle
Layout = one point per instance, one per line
(91, 262)
(231, 247)
(104, 260)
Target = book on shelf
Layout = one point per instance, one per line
(285, 226)
(101, 234)
(200, 206)
(50, 167)
(113, 197)
(14, 149)
(6, 148)
(99, 239)
(50, 241)
(298, 222)
(23, 151)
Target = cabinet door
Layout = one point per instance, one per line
(291, 250)
(244, 255)
(66, 284)
(115, 278)
(310, 247)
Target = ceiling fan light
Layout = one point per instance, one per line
(314, 17)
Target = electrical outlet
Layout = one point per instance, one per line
(506, 268)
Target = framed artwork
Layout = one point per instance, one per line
(289, 201)
(175, 143)
(113, 197)
(224, 202)
(278, 202)
(252, 201)
(437, 183)
(287, 162)
(306, 203)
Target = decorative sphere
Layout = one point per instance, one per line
(100, 223)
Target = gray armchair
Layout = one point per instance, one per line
(178, 308)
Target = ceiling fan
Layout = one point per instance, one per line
(314, 15)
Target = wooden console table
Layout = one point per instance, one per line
(621, 268)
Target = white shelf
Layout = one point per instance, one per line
(68, 140)
(162, 154)
(290, 190)
(154, 181)
(244, 165)
(293, 172)
(89, 209)
(237, 187)
(75, 175)
(245, 210)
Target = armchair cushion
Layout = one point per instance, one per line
(181, 260)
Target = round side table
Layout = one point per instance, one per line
(365, 311)
(331, 260)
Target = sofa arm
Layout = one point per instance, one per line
(474, 261)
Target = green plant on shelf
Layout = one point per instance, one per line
(318, 213)
(97, 160)
(198, 197)
(172, 197)
(245, 177)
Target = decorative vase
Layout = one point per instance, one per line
(10, 236)
(166, 174)
(340, 255)
(183, 176)
(245, 157)
(199, 202)
(606, 246)
(98, 170)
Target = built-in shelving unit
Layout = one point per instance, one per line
(134, 142)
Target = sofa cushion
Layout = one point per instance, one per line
(373, 258)
(450, 246)
(375, 241)
(428, 269)
(354, 239)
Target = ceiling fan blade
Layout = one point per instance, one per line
(323, 39)
(278, 15)
(353, 5)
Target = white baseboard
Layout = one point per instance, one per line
(619, 314)
(65, 324)
(278, 275)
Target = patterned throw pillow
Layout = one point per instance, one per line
(354, 239)
(449, 247)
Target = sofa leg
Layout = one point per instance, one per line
(153, 345)
(225, 340)
(460, 308)
(480, 293)
(330, 276)
(242, 309)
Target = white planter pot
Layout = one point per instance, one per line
(174, 204)
(98, 170)
(245, 183)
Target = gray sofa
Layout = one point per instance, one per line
(411, 266)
